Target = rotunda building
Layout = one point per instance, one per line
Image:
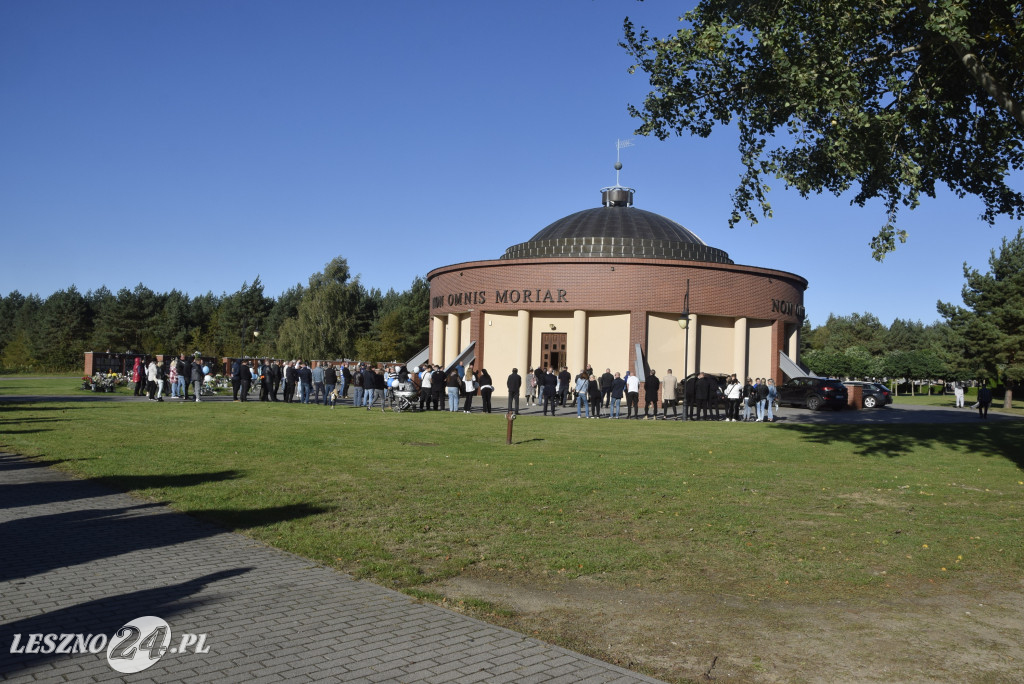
(621, 288)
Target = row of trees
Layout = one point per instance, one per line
(333, 317)
(983, 339)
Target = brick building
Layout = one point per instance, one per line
(608, 286)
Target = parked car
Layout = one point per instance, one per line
(872, 393)
(813, 393)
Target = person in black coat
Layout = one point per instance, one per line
(550, 391)
(651, 386)
(606, 382)
(330, 382)
(984, 399)
(186, 372)
(564, 381)
(346, 378)
(514, 384)
(700, 395)
(594, 396)
(369, 387)
(618, 389)
(380, 387)
(291, 376)
(236, 378)
(437, 386)
(690, 396)
(538, 376)
(486, 388)
(245, 381)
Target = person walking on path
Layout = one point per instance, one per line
(984, 399)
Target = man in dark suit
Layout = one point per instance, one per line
(651, 386)
(437, 386)
(245, 381)
(564, 381)
(236, 378)
(514, 384)
(701, 395)
(605, 382)
(550, 391)
(369, 387)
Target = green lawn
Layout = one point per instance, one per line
(969, 399)
(55, 386)
(803, 512)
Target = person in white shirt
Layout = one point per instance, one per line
(633, 396)
(732, 394)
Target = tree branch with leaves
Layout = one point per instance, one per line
(888, 98)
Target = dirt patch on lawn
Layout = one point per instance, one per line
(928, 634)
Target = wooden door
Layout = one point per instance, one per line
(552, 350)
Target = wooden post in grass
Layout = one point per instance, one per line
(510, 416)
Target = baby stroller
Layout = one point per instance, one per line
(402, 397)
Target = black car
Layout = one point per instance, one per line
(872, 393)
(813, 393)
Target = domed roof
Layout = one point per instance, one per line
(617, 229)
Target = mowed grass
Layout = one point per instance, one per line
(949, 400)
(57, 386)
(805, 512)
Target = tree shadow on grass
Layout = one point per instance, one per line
(889, 440)
(108, 614)
(17, 462)
(41, 493)
(41, 543)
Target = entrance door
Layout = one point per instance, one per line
(552, 350)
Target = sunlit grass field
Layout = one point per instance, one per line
(56, 386)
(798, 511)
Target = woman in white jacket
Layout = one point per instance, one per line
(732, 393)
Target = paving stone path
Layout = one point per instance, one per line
(76, 557)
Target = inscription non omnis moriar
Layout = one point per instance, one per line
(538, 296)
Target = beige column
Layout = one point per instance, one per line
(739, 354)
(523, 339)
(451, 339)
(577, 352)
(437, 341)
(794, 344)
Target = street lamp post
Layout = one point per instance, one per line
(684, 323)
(245, 330)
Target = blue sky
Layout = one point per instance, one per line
(195, 145)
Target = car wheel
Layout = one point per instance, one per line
(814, 402)
(870, 402)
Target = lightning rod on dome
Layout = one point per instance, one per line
(619, 144)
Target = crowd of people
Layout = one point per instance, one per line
(430, 388)
(703, 396)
